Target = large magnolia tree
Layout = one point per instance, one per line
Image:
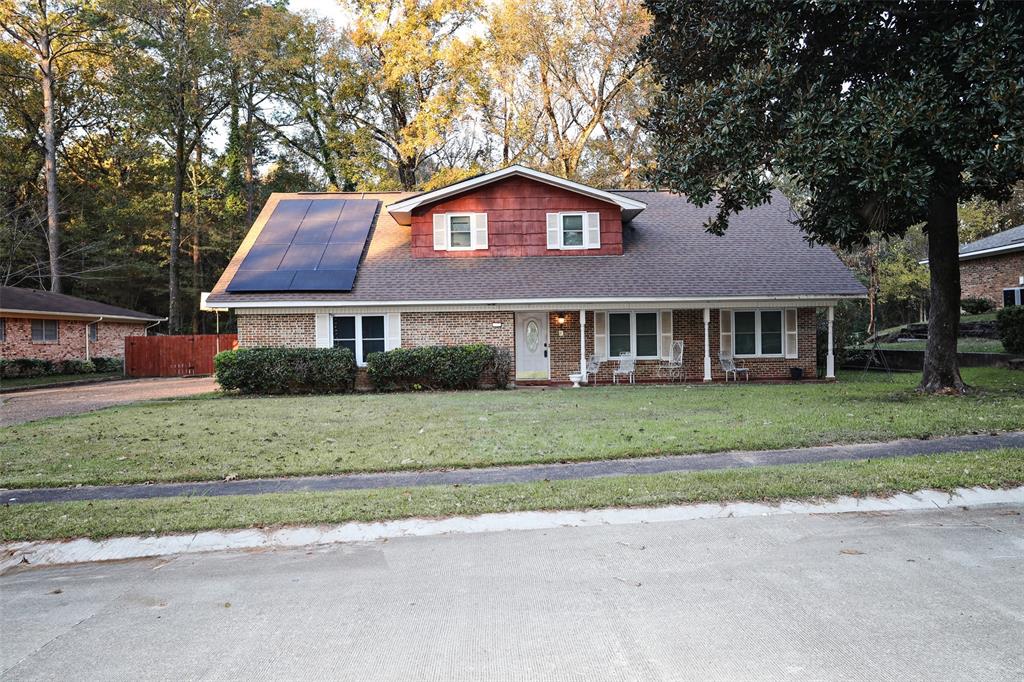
(885, 113)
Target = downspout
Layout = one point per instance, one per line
(88, 355)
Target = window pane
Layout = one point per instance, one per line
(618, 323)
(771, 332)
(460, 231)
(744, 322)
(646, 323)
(94, 331)
(572, 230)
(345, 328)
(347, 343)
(617, 345)
(373, 327)
(44, 330)
(372, 346)
(646, 344)
(745, 344)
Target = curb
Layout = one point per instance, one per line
(50, 553)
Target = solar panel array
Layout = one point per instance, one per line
(308, 245)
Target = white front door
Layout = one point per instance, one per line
(532, 346)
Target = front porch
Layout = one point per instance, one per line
(782, 339)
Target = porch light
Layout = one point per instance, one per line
(560, 319)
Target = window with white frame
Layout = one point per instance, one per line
(361, 334)
(572, 230)
(45, 331)
(460, 231)
(634, 333)
(757, 332)
(93, 331)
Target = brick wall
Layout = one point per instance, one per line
(452, 329)
(517, 211)
(291, 330)
(70, 343)
(987, 277)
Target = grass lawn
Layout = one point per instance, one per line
(994, 468)
(202, 439)
(50, 379)
(965, 344)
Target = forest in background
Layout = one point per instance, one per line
(139, 138)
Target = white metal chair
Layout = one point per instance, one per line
(673, 367)
(627, 367)
(593, 367)
(729, 367)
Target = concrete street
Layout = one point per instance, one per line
(26, 406)
(907, 595)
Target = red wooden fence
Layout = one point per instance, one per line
(174, 356)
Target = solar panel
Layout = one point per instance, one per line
(308, 245)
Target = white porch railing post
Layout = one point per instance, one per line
(830, 359)
(707, 345)
(583, 344)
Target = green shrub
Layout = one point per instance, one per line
(26, 367)
(108, 364)
(501, 368)
(76, 367)
(1010, 321)
(286, 370)
(434, 367)
(976, 306)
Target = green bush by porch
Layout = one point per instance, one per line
(199, 439)
(437, 367)
(259, 371)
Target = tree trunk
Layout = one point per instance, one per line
(197, 273)
(407, 174)
(941, 367)
(249, 173)
(173, 286)
(50, 170)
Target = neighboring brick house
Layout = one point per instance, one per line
(45, 326)
(993, 268)
(554, 271)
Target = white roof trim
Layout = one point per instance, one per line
(587, 302)
(78, 317)
(401, 211)
(994, 251)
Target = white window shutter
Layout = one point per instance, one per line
(323, 331)
(791, 321)
(725, 336)
(666, 334)
(440, 232)
(553, 228)
(394, 332)
(592, 231)
(479, 222)
(600, 334)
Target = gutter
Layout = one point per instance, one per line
(994, 251)
(99, 319)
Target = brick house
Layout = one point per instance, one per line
(45, 326)
(554, 271)
(993, 268)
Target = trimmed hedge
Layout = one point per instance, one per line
(438, 368)
(976, 306)
(286, 370)
(31, 367)
(1010, 321)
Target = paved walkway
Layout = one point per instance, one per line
(26, 406)
(896, 596)
(526, 473)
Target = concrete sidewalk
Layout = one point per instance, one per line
(885, 596)
(526, 473)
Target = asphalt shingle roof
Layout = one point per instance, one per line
(18, 298)
(1012, 237)
(667, 254)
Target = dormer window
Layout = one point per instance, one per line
(572, 230)
(460, 231)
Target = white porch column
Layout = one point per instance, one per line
(707, 345)
(583, 344)
(830, 361)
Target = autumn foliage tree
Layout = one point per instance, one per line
(885, 113)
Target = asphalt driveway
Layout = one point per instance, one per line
(26, 406)
(887, 596)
